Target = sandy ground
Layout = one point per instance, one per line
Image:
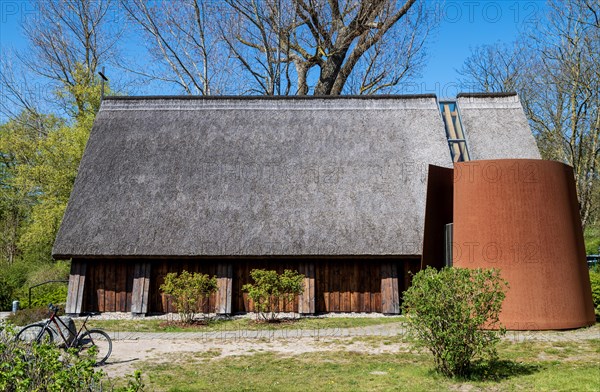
(127, 355)
(129, 352)
(131, 349)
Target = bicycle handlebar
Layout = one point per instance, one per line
(53, 308)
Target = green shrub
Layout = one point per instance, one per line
(189, 292)
(134, 383)
(32, 367)
(12, 280)
(25, 367)
(6, 294)
(592, 238)
(50, 293)
(595, 281)
(270, 288)
(448, 311)
(29, 316)
(17, 277)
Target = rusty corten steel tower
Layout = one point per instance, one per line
(522, 216)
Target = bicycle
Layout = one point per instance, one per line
(83, 340)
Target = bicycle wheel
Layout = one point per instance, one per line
(36, 333)
(100, 340)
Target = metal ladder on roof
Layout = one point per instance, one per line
(459, 149)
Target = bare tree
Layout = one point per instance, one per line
(19, 96)
(337, 39)
(559, 84)
(182, 37)
(398, 57)
(282, 47)
(566, 112)
(255, 32)
(495, 68)
(69, 39)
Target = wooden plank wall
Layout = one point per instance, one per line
(140, 292)
(108, 286)
(409, 268)
(339, 285)
(224, 287)
(76, 287)
(348, 286)
(390, 298)
(306, 300)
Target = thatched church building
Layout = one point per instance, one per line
(335, 188)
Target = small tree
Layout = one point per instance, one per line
(269, 288)
(448, 312)
(595, 283)
(190, 292)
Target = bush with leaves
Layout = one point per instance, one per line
(13, 281)
(47, 293)
(270, 289)
(595, 282)
(454, 313)
(25, 367)
(28, 316)
(190, 292)
(42, 367)
(19, 276)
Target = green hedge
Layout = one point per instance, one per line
(595, 281)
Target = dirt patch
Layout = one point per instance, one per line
(128, 355)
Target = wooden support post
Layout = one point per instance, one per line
(224, 287)
(451, 132)
(141, 288)
(306, 300)
(460, 135)
(76, 285)
(390, 298)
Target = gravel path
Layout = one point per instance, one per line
(130, 349)
(389, 329)
(392, 329)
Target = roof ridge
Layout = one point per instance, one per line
(487, 94)
(266, 97)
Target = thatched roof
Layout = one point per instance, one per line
(496, 126)
(257, 176)
(173, 176)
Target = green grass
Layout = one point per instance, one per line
(150, 325)
(571, 366)
(592, 239)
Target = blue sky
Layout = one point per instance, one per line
(463, 25)
(468, 24)
(12, 12)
